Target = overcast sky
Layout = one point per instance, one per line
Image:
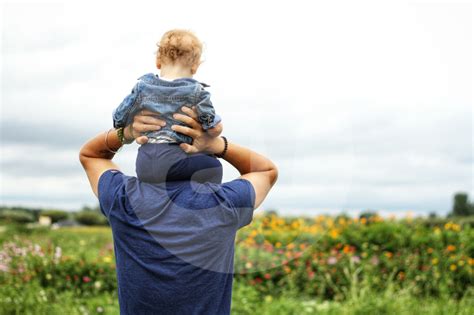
(362, 105)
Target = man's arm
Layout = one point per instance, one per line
(257, 169)
(96, 157)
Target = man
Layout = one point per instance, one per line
(174, 242)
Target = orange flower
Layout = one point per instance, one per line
(388, 254)
(429, 250)
(451, 248)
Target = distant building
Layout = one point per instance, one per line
(44, 220)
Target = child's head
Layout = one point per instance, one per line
(179, 48)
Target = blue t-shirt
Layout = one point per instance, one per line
(174, 242)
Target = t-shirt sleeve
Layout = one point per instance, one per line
(240, 195)
(110, 182)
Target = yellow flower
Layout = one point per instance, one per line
(291, 246)
(453, 267)
(49, 276)
(434, 261)
(334, 233)
(277, 244)
(107, 259)
(82, 242)
(461, 263)
(470, 261)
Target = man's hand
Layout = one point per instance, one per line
(143, 122)
(202, 141)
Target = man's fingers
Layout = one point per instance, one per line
(185, 130)
(188, 148)
(149, 120)
(189, 121)
(142, 140)
(190, 112)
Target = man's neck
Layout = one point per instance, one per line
(175, 72)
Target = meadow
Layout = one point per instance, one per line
(283, 265)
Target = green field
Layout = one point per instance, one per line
(321, 265)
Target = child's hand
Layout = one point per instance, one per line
(216, 131)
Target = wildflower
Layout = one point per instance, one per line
(248, 265)
(57, 254)
(461, 263)
(388, 254)
(49, 276)
(287, 269)
(470, 261)
(401, 275)
(434, 261)
(107, 259)
(374, 261)
(100, 309)
(82, 242)
(97, 284)
(347, 249)
(291, 246)
(451, 248)
(86, 279)
(277, 244)
(267, 276)
(332, 260)
(258, 280)
(453, 267)
(430, 250)
(355, 259)
(334, 233)
(268, 298)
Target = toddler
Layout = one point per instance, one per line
(161, 159)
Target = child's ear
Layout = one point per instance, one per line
(194, 68)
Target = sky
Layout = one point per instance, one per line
(362, 105)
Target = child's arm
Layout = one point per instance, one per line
(210, 121)
(121, 113)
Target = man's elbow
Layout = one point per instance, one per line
(273, 174)
(83, 156)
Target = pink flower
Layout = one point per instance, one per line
(332, 260)
(86, 279)
(374, 261)
(355, 259)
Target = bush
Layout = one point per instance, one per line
(90, 218)
(16, 216)
(55, 215)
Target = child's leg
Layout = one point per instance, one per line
(197, 167)
(160, 162)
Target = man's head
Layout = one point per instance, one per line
(179, 48)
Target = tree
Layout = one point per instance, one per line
(55, 215)
(461, 206)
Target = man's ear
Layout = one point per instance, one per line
(158, 63)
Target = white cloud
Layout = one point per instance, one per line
(361, 104)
